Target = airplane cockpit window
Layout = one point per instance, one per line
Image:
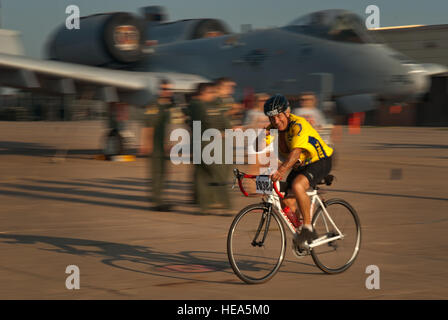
(336, 25)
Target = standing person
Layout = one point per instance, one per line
(225, 90)
(157, 118)
(191, 101)
(308, 110)
(255, 117)
(225, 101)
(209, 186)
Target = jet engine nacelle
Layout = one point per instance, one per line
(356, 103)
(101, 40)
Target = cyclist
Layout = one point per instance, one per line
(305, 153)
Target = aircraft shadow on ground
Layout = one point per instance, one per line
(145, 260)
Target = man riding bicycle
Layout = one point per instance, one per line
(307, 155)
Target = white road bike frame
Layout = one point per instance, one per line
(274, 200)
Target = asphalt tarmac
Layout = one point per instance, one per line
(95, 215)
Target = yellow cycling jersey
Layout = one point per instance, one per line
(300, 134)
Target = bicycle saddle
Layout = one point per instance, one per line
(328, 180)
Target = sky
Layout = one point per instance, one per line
(36, 19)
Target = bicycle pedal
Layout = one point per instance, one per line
(300, 253)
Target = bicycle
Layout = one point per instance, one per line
(260, 226)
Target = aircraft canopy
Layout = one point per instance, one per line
(336, 25)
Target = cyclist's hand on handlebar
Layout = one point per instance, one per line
(278, 175)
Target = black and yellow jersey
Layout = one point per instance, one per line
(300, 134)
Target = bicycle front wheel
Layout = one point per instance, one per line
(336, 256)
(256, 244)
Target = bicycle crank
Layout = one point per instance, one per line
(298, 252)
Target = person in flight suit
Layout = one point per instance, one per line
(225, 88)
(157, 118)
(225, 102)
(209, 185)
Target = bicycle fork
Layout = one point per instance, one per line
(265, 220)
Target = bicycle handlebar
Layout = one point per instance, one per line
(241, 175)
(277, 191)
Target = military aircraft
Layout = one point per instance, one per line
(329, 52)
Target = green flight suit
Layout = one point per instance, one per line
(209, 184)
(158, 116)
(225, 122)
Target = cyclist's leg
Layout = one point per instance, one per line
(299, 187)
(289, 201)
(308, 176)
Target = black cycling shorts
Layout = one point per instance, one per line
(315, 172)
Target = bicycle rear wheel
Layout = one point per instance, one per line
(337, 256)
(256, 244)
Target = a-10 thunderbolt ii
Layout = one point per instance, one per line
(113, 54)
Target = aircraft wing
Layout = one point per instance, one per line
(433, 69)
(109, 85)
